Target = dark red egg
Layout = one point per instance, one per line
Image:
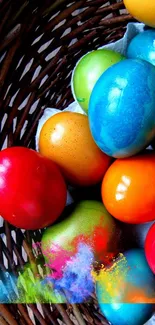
(150, 248)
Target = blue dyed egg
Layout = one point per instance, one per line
(142, 46)
(130, 290)
(122, 108)
(127, 314)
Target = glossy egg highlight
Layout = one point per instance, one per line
(125, 292)
(122, 108)
(150, 248)
(142, 10)
(128, 189)
(142, 46)
(87, 72)
(66, 139)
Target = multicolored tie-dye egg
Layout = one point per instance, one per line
(66, 139)
(126, 290)
(122, 108)
(89, 224)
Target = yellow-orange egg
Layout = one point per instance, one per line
(66, 139)
(142, 10)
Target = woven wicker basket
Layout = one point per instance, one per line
(40, 42)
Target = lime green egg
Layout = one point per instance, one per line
(88, 70)
(89, 224)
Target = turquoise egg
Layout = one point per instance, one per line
(135, 278)
(142, 47)
(122, 108)
(127, 314)
(8, 288)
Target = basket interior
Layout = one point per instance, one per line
(40, 43)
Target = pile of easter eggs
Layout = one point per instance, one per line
(107, 145)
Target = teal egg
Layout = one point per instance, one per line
(142, 46)
(128, 298)
(122, 108)
(127, 314)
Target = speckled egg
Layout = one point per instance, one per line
(87, 72)
(142, 46)
(66, 139)
(122, 108)
(126, 290)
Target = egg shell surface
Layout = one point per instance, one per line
(90, 224)
(142, 10)
(127, 314)
(122, 108)
(125, 292)
(66, 139)
(142, 46)
(128, 188)
(87, 72)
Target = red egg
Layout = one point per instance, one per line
(150, 248)
(32, 189)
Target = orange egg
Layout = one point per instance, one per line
(66, 139)
(128, 189)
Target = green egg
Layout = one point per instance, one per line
(87, 72)
(89, 224)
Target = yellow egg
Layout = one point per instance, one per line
(142, 10)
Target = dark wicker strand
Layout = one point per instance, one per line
(64, 314)
(2, 321)
(7, 315)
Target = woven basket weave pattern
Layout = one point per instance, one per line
(40, 43)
